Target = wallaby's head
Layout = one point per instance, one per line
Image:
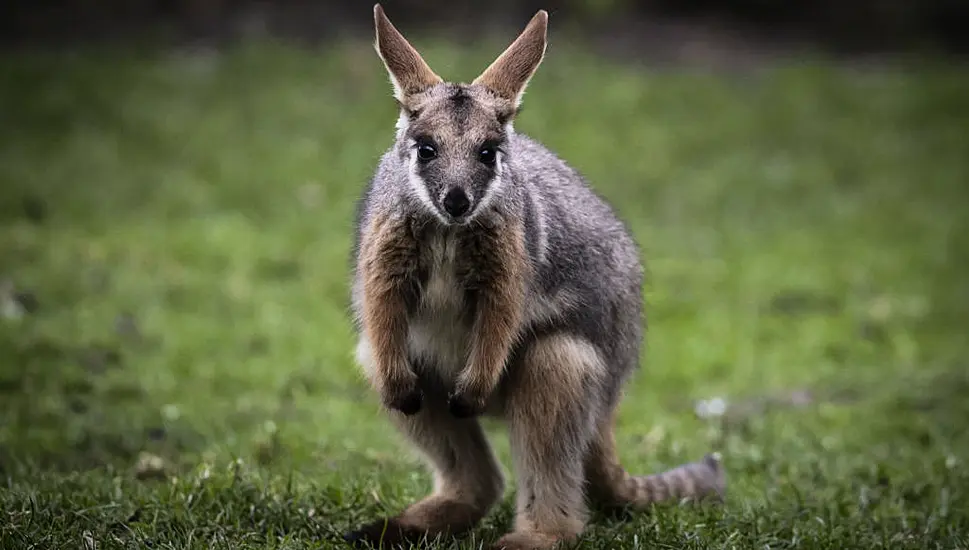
(453, 136)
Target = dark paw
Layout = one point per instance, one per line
(381, 534)
(408, 403)
(355, 538)
(462, 407)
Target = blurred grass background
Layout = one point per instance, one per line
(174, 255)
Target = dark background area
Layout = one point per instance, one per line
(837, 27)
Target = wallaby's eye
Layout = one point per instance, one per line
(426, 152)
(487, 155)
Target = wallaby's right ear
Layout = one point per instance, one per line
(408, 71)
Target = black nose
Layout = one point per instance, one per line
(456, 202)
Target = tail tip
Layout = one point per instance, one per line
(713, 461)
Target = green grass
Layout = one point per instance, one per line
(805, 228)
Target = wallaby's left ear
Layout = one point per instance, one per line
(508, 75)
(409, 73)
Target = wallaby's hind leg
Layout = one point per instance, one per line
(551, 421)
(467, 480)
(611, 486)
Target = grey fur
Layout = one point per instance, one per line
(588, 275)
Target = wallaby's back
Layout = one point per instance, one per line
(588, 253)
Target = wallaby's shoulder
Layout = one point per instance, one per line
(546, 170)
(531, 157)
(567, 197)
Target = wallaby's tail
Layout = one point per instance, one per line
(612, 485)
(694, 481)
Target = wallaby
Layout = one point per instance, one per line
(490, 279)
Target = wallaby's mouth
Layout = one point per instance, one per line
(457, 220)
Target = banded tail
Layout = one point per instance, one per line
(612, 485)
(693, 481)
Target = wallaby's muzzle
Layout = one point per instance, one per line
(456, 203)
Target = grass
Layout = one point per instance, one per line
(177, 231)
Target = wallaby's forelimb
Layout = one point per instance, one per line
(387, 264)
(499, 286)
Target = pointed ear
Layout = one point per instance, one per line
(508, 75)
(408, 71)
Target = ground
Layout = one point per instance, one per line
(176, 350)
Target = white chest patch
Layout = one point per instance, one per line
(439, 331)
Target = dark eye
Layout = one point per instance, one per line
(487, 155)
(426, 152)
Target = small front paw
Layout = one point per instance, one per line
(406, 400)
(462, 406)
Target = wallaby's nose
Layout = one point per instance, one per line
(456, 202)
